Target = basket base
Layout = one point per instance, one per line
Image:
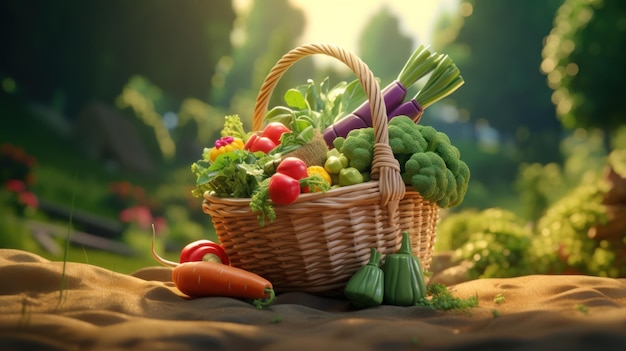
(316, 244)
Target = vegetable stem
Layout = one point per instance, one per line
(260, 303)
(417, 66)
(156, 256)
(444, 80)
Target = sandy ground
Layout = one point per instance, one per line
(103, 310)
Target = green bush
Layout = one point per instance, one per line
(563, 244)
(494, 241)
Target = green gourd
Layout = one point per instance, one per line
(365, 287)
(404, 279)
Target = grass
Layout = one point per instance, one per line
(61, 169)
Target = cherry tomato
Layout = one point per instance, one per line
(293, 167)
(274, 130)
(204, 250)
(283, 189)
(250, 141)
(259, 143)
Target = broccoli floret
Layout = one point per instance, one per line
(359, 148)
(450, 155)
(460, 171)
(462, 180)
(428, 161)
(451, 190)
(432, 137)
(405, 137)
(426, 172)
(338, 143)
(450, 182)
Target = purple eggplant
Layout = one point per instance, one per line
(444, 80)
(393, 95)
(411, 108)
(421, 62)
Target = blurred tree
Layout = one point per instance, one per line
(66, 52)
(584, 63)
(271, 30)
(384, 47)
(498, 50)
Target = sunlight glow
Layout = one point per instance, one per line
(342, 22)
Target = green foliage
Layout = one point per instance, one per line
(519, 105)
(563, 241)
(440, 298)
(582, 59)
(383, 46)
(455, 228)
(102, 43)
(12, 229)
(313, 107)
(540, 185)
(495, 242)
(617, 160)
(271, 29)
(224, 176)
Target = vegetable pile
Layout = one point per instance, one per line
(323, 139)
(428, 160)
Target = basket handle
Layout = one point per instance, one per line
(385, 168)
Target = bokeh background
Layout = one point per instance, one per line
(105, 105)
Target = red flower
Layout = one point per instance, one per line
(138, 214)
(28, 199)
(15, 185)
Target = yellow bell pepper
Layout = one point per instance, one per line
(322, 172)
(224, 145)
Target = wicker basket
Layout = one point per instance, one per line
(318, 242)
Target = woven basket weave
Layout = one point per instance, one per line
(318, 242)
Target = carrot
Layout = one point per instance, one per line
(203, 278)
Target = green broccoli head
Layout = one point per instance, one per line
(359, 148)
(429, 174)
(450, 192)
(450, 155)
(426, 172)
(462, 181)
(338, 143)
(432, 137)
(457, 170)
(405, 137)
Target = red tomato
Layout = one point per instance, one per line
(250, 141)
(263, 144)
(274, 130)
(283, 189)
(293, 167)
(259, 143)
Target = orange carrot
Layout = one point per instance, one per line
(200, 278)
(204, 278)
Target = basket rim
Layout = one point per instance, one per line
(306, 197)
